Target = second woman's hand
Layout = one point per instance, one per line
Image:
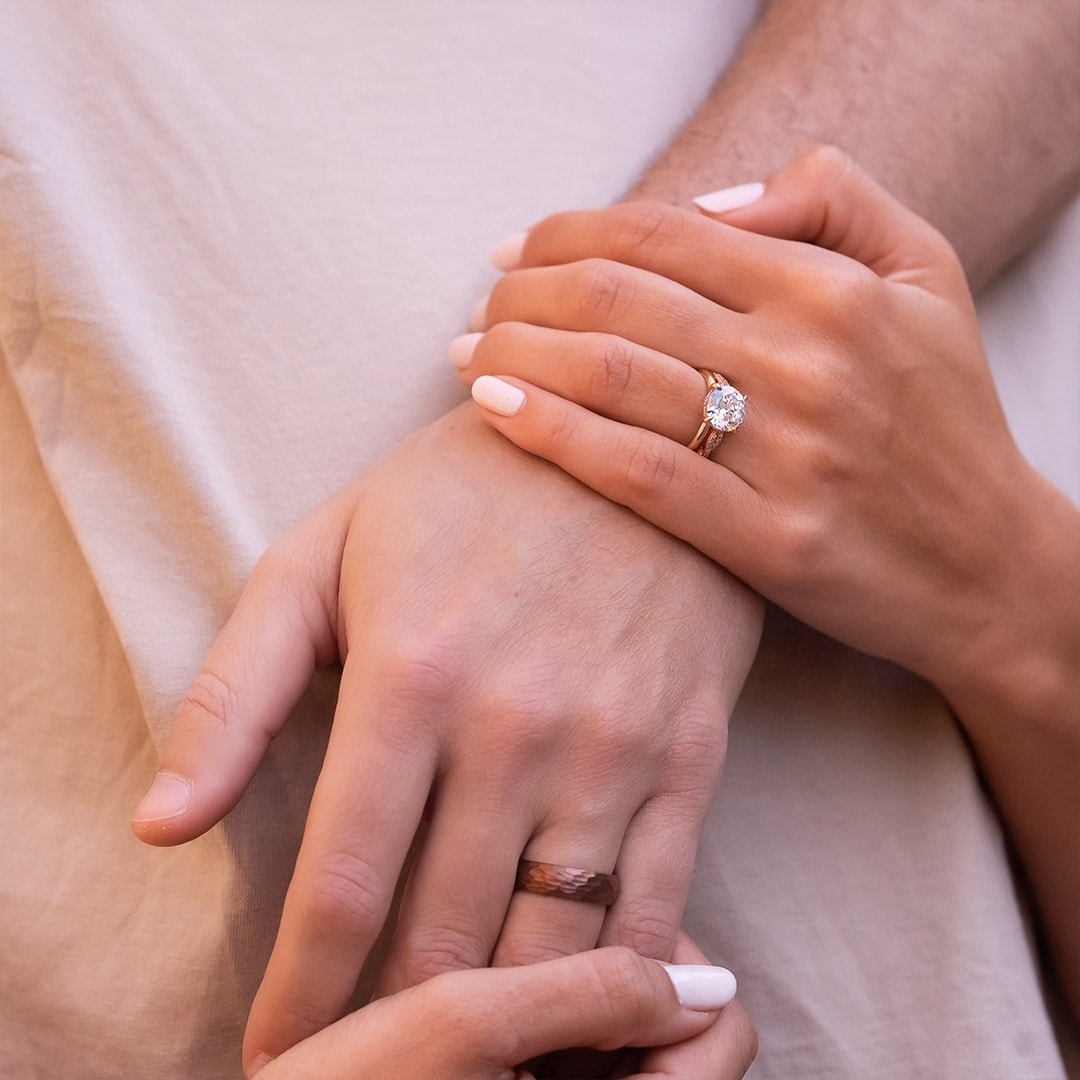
(485, 1024)
(874, 480)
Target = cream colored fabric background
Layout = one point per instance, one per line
(234, 241)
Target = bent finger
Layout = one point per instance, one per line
(459, 888)
(281, 630)
(364, 814)
(823, 197)
(655, 867)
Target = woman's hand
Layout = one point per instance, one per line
(485, 1024)
(874, 487)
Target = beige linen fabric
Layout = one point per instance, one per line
(234, 241)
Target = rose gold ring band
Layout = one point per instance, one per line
(549, 879)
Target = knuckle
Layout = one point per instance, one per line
(845, 295)
(500, 339)
(701, 731)
(696, 760)
(822, 374)
(211, 701)
(828, 164)
(280, 568)
(273, 564)
(563, 429)
(289, 572)
(645, 230)
(421, 666)
(649, 465)
(605, 292)
(345, 897)
(526, 716)
(611, 368)
(535, 947)
(439, 951)
(801, 542)
(644, 926)
(614, 730)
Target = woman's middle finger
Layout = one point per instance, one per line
(611, 298)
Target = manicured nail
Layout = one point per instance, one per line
(478, 315)
(507, 253)
(168, 797)
(700, 986)
(732, 198)
(462, 348)
(498, 396)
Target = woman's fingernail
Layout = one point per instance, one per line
(478, 315)
(498, 396)
(700, 986)
(462, 348)
(507, 253)
(168, 797)
(732, 198)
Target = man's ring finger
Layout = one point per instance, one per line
(551, 879)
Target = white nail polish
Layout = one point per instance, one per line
(498, 396)
(507, 253)
(700, 986)
(462, 348)
(167, 798)
(732, 198)
(478, 315)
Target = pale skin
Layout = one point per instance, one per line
(877, 494)
(493, 1024)
(357, 837)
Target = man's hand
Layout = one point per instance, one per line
(545, 673)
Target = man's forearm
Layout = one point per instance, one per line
(968, 110)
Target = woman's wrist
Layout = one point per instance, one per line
(1018, 654)
(1015, 693)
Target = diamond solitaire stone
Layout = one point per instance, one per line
(724, 411)
(725, 408)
